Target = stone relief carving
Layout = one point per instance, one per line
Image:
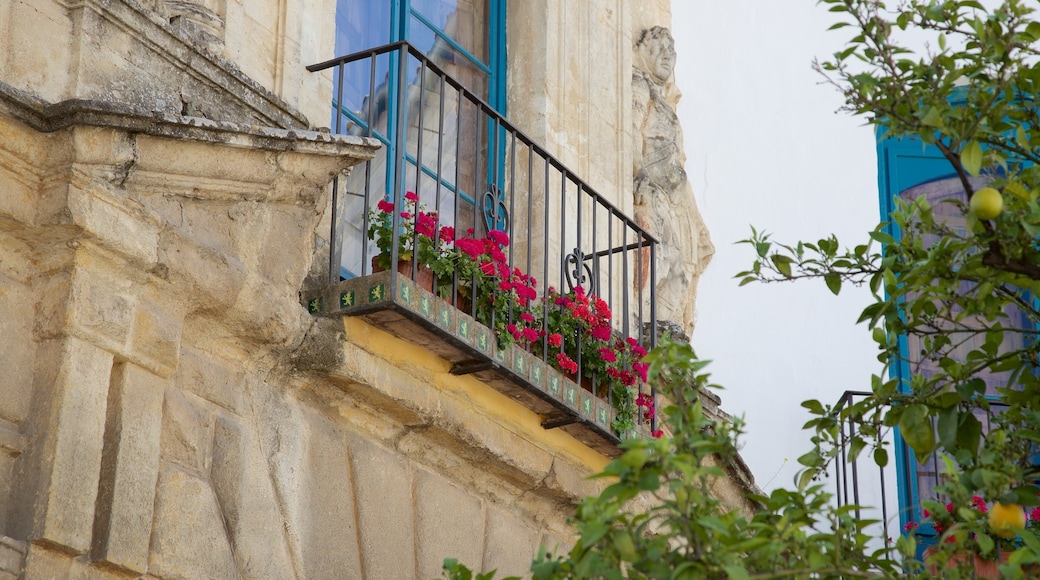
(664, 202)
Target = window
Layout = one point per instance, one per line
(391, 94)
(908, 170)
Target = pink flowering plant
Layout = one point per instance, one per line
(503, 296)
(579, 327)
(419, 235)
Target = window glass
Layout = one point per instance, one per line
(464, 21)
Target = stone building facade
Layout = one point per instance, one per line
(168, 406)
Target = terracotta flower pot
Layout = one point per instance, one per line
(983, 568)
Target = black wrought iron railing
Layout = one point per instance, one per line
(456, 177)
(894, 493)
(859, 481)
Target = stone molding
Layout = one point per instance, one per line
(180, 74)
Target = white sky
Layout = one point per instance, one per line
(766, 147)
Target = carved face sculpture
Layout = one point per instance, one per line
(658, 51)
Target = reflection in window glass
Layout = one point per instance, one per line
(465, 21)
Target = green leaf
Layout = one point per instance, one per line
(933, 118)
(782, 263)
(833, 282)
(971, 158)
(969, 433)
(917, 430)
(947, 428)
(737, 572)
(881, 457)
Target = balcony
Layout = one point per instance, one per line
(892, 494)
(470, 239)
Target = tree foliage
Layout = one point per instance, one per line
(964, 290)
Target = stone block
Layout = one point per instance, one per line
(216, 380)
(448, 521)
(509, 545)
(384, 503)
(285, 255)
(16, 356)
(156, 338)
(129, 468)
(66, 433)
(209, 279)
(12, 557)
(187, 432)
(52, 306)
(322, 523)
(188, 536)
(248, 503)
(101, 310)
(118, 227)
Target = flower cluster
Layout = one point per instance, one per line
(572, 330)
(419, 235)
(582, 332)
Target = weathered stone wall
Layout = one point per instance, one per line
(164, 56)
(167, 406)
(171, 409)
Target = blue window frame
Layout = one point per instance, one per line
(466, 38)
(908, 169)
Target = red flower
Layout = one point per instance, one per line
(939, 528)
(911, 525)
(526, 317)
(601, 333)
(979, 503)
(530, 334)
(640, 369)
(505, 285)
(949, 508)
(926, 514)
(607, 354)
(411, 196)
(406, 215)
(447, 234)
(470, 247)
(385, 206)
(639, 351)
(602, 308)
(566, 363)
(1035, 514)
(555, 339)
(499, 237)
(511, 329)
(657, 434)
(487, 268)
(426, 225)
(498, 256)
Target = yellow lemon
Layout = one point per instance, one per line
(1004, 518)
(987, 203)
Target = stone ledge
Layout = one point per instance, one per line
(50, 117)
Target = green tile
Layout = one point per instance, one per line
(425, 305)
(404, 292)
(346, 299)
(483, 340)
(377, 293)
(520, 363)
(586, 405)
(464, 327)
(315, 305)
(571, 394)
(445, 316)
(554, 384)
